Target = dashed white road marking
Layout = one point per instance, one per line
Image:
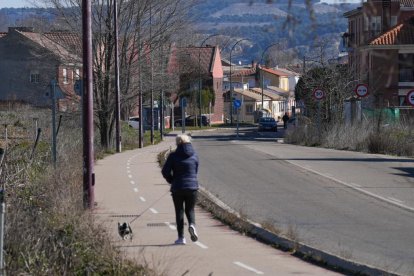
(128, 167)
(201, 245)
(142, 199)
(153, 210)
(130, 176)
(128, 172)
(136, 190)
(132, 182)
(172, 227)
(248, 268)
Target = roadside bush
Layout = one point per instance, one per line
(368, 136)
(47, 230)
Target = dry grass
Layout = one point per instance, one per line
(47, 230)
(370, 136)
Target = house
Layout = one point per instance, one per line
(380, 43)
(270, 89)
(200, 78)
(30, 61)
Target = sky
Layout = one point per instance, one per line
(26, 3)
(14, 4)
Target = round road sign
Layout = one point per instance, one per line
(361, 90)
(318, 94)
(236, 103)
(410, 97)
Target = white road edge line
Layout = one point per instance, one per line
(395, 199)
(248, 268)
(172, 227)
(153, 210)
(405, 207)
(201, 245)
(142, 199)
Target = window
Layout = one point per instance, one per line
(393, 21)
(77, 74)
(376, 25)
(34, 77)
(406, 71)
(65, 75)
(249, 108)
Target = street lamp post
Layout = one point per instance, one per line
(199, 75)
(231, 86)
(261, 71)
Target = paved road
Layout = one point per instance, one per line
(354, 205)
(129, 187)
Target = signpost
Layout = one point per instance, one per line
(361, 90)
(319, 94)
(237, 105)
(410, 97)
(183, 104)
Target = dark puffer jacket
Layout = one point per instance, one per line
(181, 167)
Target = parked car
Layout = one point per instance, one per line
(267, 123)
(190, 121)
(133, 122)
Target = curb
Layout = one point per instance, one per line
(307, 253)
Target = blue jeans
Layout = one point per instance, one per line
(184, 200)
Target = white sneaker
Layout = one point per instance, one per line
(193, 233)
(181, 241)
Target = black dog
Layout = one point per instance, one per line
(125, 231)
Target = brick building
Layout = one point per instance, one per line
(380, 41)
(195, 64)
(29, 61)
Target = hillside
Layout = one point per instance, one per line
(268, 22)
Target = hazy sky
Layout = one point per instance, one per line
(14, 3)
(26, 3)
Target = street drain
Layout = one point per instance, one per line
(124, 216)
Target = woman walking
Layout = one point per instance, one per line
(180, 170)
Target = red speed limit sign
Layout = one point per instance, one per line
(410, 97)
(361, 90)
(318, 94)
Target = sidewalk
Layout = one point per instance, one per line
(130, 188)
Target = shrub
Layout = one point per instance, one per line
(47, 230)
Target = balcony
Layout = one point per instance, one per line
(406, 75)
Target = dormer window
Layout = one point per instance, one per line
(34, 77)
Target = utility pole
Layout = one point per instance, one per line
(88, 133)
(152, 80)
(117, 89)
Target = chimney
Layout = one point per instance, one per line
(386, 15)
(254, 64)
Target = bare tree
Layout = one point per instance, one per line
(138, 49)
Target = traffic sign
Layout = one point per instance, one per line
(236, 103)
(410, 97)
(361, 90)
(318, 94)
(183, 102)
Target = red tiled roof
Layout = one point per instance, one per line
(246, 72)
(57, 46)
(407, 3)
(399, 35)
(71, 41)
(275, 72)
(189, 57)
